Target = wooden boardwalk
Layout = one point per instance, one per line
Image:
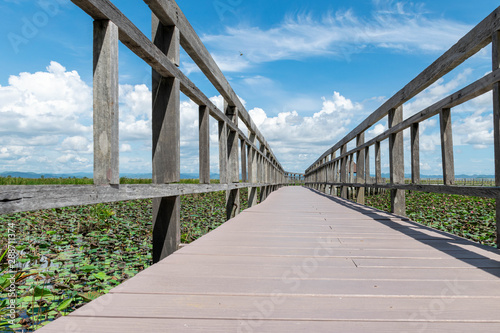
(305, 262)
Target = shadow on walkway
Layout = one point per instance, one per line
(448, 244)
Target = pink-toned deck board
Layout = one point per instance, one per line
(303, 262)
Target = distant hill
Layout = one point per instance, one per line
(32, 175)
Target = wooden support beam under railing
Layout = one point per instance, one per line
(360, 169)
(447, 147)
(106, 111)
(233, 170)
(496, 123)
(204, 149)
(166, 144)
(415, 153)
(396, 161)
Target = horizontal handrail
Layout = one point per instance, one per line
(21, 198)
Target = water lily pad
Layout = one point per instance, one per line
(64, 304)
(39, 292)
(90, 296)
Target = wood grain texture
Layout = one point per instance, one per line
(253, 166)
(244, 163)
(204, 144)
(343, 172)
(415, 153)
(166, 144)
(360, 169)
(396, 161)
(496, 123)
(223, 161)
(233, 172)
(29, 198)
(378, 163)
(447, 147)
(106, 111)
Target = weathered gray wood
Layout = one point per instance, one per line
(415, 153)
(351, 168)
(343, 172)
(336, 176)
(204, 150)
(223, 162)
(469, 45)
(166, 145)
(244, 174)
(360, 169)
(368, 178)
(396, 161)
(168, 11)
(447, 147)
(378, 164)
(106, 120)
(15, 199)
(496, 124)
(233, 170)
(253, 166)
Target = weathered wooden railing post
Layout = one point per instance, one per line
(343, 172)
(106, 141)
(223, 163)
(204, 138)
(267, 172)
(261, 172)
(253, 166)
(447, 147)
(368, 179)
(244, 164)
(351, 176)
(233, 169)
(323, 175)
(496, 124)
(360, 169)
(396, 160)
(415, 153)
(166, 144)
(333, 170)
(336, 176)
(378, 164)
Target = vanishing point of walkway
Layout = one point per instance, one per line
(305, 262)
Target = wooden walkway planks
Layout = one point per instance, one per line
(305, 262)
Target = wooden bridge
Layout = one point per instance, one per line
(306, 258)
(306, 262)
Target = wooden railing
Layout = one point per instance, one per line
(171, 31)
(334, 169)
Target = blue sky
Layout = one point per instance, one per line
(308, 72)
